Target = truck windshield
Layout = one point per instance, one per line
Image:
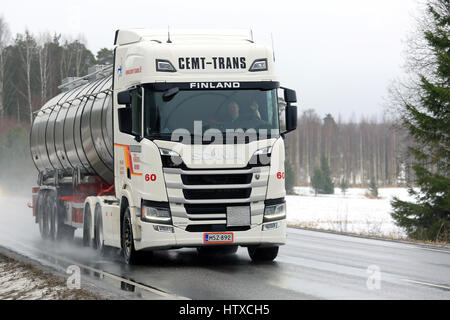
(196, 111)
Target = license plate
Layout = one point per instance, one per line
(227, 237)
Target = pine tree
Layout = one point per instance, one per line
(425, 112)
(344, 186)
(373, 189)
(327, 185)
(316, 181)
(321, 180)
(105, 56)
(290, 177)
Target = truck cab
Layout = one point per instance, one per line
(198, 148)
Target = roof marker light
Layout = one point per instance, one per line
(259, 65)
(164, 66)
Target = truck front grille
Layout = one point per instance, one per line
(201, 197)
(208, 194)
(219, 208)
(214, 179)
(214, 228)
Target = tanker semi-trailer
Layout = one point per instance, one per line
(178, 144)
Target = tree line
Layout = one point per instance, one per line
(356, 151)
(33, 66)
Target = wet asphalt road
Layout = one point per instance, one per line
(313, 265)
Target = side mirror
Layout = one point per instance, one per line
(170, 94)
(290, 96)
(124, 98)
(291, 118)
(125, 120)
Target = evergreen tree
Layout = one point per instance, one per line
(425, 112)
(373, 189)
(316, 180)
(105, 56)
(290, 177)
(321, 180)
(327, 184)
(344, 185)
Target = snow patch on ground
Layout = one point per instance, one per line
(20, 281)
(353, 212)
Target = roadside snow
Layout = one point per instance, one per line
(352, 212)
(19, 281)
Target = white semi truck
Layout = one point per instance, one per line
(178, 144)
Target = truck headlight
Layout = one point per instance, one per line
(275, 212)
(156, 212)
(170, 159)
(261, 157)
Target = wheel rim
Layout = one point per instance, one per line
(127, 238)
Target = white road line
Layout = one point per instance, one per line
(426, 284)
(104, 273)
(437, 250)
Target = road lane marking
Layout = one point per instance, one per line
(105, 273)
(427, 284)
(437, 250)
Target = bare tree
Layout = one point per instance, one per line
(44, 67)
(27, 50)
(4, 41)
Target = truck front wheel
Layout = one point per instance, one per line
(260, 254)
(98, 230)
(129, 252)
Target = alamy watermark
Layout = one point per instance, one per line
(74, 280)
(216, 147)
(374, 280)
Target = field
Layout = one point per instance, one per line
(353, 212)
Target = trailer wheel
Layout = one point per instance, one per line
(87, 227)
(56, 224)
(46, 219)
(98, 230)
(263, 254)
(40, 213)
(130, 254)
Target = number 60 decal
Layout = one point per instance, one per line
(150, 177)
(281, 176)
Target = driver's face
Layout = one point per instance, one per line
(233, 110)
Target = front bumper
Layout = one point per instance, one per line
(151, 239)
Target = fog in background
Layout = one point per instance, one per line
(339, 55)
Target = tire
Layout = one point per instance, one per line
(87, 227)
(263, 254)
(40, 213)
(217, 250)
(98, 231)
(56, 219)
(46, 218)
(130, 254)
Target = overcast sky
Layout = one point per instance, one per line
(340, 55)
